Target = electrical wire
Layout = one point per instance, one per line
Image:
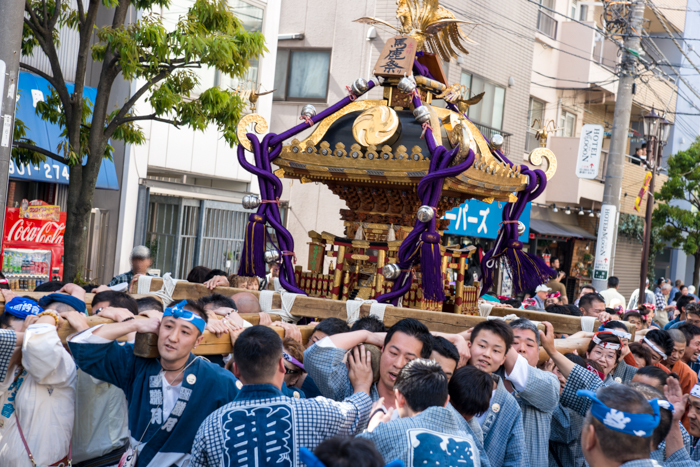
(573, 80)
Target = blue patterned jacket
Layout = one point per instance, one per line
(325, 365)
(565, 439)
(504, 438)
(264, 427)
(434, 435)
(538, 400)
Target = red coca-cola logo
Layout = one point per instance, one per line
(47, 232)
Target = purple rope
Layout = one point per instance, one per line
(277, 139)
(271, 186)
(429, 191)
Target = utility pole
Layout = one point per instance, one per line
(610, 210)
(11, 21)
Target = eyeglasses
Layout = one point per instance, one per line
(292, 372)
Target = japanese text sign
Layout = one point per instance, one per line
(397, 57)
(603, 253)
(478, 219)
(589, 147)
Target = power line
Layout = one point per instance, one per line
(573, 80)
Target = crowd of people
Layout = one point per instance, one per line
(355, 394)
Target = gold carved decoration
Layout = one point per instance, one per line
(536, 156)
(434, 28)
(260, 128)
(375, 126)
(326, 123)
(459, 134)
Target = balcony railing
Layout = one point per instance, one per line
(488, 132)
(546, 24)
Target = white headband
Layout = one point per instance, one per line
(695, 392)
(620, 333)
(606, 345)
(665, 405)
(655, 348)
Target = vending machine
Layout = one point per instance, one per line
(32, 249)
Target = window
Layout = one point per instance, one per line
(579, 12)
(302, 74)
(488, 112)
(567, 124)
(251, 18)
(535, 112)
(546, 24)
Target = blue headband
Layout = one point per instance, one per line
(310, 459)
(177, 311)
(75, 303)
(21, 307)
(638, 424)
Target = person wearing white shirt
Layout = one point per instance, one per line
(37, 396)
(611, 295)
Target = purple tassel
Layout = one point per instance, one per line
(253, 257)
(430, 260)
(528, 271)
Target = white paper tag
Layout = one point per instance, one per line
(6, 131)
(37, 96)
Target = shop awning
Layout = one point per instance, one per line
(551, 229)
(33, 89)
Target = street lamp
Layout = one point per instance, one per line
(664, 131)
(651, 124)
(656, 131)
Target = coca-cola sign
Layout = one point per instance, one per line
(33, 231)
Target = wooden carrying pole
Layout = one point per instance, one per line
(146, 345)
(319, 308)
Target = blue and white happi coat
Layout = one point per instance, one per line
(324, 363)
(565, 439)
(262, 427)
(159, 441)
(537, 393)
(433, 437)
(660, 454)
(504, 437)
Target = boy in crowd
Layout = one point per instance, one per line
(168, 397)
(446, 354)
(146, 304)
(470, 391)
(344, 451)
(327, 327)
(683, 310)
(686, 377)
(427, 432)
(369, 323)
(502, 424)
(660, 344)
(692, 348)
(264, 427)
(536, 391)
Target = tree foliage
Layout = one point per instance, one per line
(677, 217)
(161, 62)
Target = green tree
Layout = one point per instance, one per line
(161, 62)
(677, 217)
